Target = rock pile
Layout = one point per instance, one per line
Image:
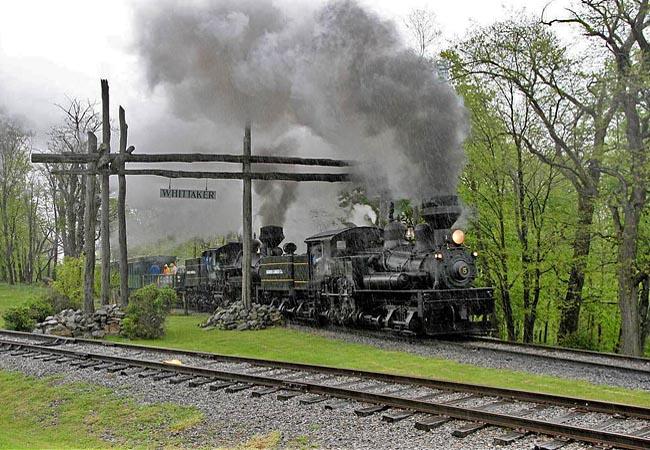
(236, 317)
(71, 323)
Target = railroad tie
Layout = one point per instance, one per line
(117, 368)
(181, 379)
(337, 405)
(430, 396)
(287, 395)
(221, 385)
(148, 373)
(313, 399)
(259, 371)
(567, 417)
(238, 387)
(397, 416)
(296, 376)
(468, 429)
(399, 391)
(643, 432)
(164, 376)
(265, 391)
(609, 422)
(509, 438)
(457, 401)
(431, 422)
(552, 445)
(90, 364)
(76, 362)
(104, 366)
(370, 410)
(200, 382)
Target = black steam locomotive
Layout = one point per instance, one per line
(357, 276)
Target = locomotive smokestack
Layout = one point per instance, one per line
(271, 236)
(441, 212)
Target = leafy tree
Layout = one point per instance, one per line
(68, 191)
(14, 170)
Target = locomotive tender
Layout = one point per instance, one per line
(357, 276)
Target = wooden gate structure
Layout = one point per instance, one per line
(101, 162)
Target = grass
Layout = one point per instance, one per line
(46, 414)
(16, 295)
(289, 345)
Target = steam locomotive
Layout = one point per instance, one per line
(357, 276)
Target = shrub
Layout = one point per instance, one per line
(70, 279)
(18, 319)
(25, 317)
(145, 315)
(59, 301)
(582, 341)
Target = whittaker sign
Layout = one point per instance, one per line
(188, 194)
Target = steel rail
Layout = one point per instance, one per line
(636, 359)
(433, 383)
(457, 412)
(568, 359)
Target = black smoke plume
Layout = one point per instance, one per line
(339, 73)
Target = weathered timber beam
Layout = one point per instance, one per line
(239, 159)
(329, 177)
(81, 158)
(269, 176)
(76, 158)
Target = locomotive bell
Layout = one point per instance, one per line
(441, 212)
(271, 235)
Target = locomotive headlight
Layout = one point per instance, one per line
(458, 236)
(475, 254)
(439, 256)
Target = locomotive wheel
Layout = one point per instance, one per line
(344, 311)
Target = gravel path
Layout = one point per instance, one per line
(234, 418)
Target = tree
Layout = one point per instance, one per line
(69, 190)
(14, 167)
(572, 107)
(424, 30)
(621, 26)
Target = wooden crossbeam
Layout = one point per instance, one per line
(268, 176)
(83, 158)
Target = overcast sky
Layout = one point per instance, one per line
(50, 50)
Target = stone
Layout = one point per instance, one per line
(59, 330)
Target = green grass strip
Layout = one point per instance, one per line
(46, 414)
(294, 346)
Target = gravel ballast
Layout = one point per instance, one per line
(492, 359)
(231, 419)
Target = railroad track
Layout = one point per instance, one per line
(429, 402)
(631, 364)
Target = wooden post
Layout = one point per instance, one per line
(121, 215)
(247, 221)
(106, 232)
(90, 221)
